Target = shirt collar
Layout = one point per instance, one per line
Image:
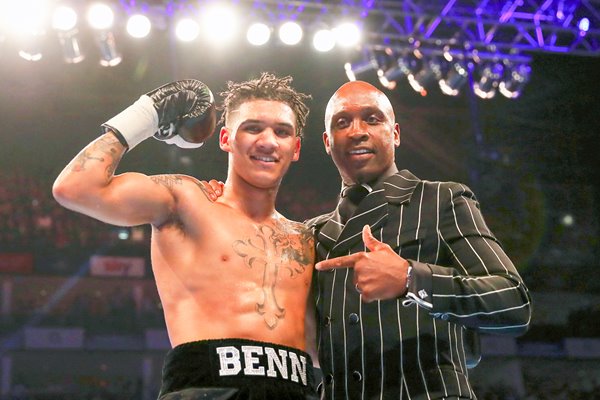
(376, 183)
(398, 186)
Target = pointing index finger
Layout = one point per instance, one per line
(338, 262)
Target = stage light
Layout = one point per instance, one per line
(64, 21)
(187, 30)
(30, 55)
(139, 26)
(409, 63)
(290, 33)
(70, 46)
(430, 73)
(456, 77)
(324, 40)
(258, 34)
(389, 74)
(109, 56)
(447, 54)
(518, 76)
(583, 25)
(370, 63)
(24, 17)
(389, 77)
(219, 24)
(567, 220)
(31, 51)
(347, 34)
(489, 77)
(404, 65)
(100, 16)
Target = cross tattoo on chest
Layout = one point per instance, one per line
(270, 250)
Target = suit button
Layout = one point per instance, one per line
(353, 318)
(328, 379)
(327, 320)
(357, 376)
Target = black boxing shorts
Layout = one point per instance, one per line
(236, 369)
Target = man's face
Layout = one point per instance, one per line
(260, 137)
(361, 134)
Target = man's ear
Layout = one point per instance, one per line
(326, 143)
(396, 134)
(224, 136)
(296, 156)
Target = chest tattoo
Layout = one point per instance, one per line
(274, 250)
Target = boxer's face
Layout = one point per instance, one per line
(361, 134)
(261, 140)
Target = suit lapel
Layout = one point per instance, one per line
(372, 211)
(399, 188)
(330, 232)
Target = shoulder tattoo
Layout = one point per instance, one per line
(201, 186)
(168, 181)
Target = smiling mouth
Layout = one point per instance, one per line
(267, 159)
(359, 152)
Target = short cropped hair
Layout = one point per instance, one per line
(267, 87)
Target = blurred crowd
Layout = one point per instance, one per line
(32, 222)
(100, 307)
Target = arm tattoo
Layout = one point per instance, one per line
(201, 186)
(168, 181)
(272, 249)
(106, 147)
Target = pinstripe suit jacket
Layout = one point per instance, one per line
(414, 347)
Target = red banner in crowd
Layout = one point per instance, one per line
(21, 263)
(117, 266)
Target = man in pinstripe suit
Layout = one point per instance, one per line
(409, 275)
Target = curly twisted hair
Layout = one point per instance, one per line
(267, 87)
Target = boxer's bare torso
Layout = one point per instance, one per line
(222, 274)
(232, 268)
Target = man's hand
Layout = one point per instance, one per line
(213, 188)
(379, 274)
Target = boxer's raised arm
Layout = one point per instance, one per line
(180, 113)
(88, 185)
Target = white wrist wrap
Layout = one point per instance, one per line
(184, 144)
(137, 122)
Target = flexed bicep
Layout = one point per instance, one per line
(88, 185)
(136, 199)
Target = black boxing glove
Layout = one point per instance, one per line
(182, 107)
